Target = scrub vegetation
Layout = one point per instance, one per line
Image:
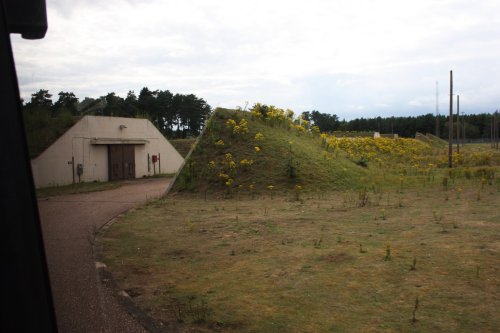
(273, 226)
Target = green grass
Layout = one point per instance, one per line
(76, 188)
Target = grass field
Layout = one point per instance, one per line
(320, 263)
(271, 227)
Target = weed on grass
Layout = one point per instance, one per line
(388, 256)
(415, 309)
(363, 197)
(190, 226)
(438, 217)
(382, 214)
(317, 243)
(413, 266)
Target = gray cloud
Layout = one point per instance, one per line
(352, 58)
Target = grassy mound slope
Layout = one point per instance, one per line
(183, 146)
(431, 140)
(286, 158)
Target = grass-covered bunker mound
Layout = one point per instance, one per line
(241, 152)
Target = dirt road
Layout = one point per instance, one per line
(82, 304)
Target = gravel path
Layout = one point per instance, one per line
(82, 304)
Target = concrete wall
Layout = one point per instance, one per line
(51, 167)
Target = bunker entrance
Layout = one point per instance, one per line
(121, 162)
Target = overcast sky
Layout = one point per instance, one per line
(353, 58)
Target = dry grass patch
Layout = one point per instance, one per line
(315, 265)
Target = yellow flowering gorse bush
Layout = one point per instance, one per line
(246, 162)
(379, 150)
(237, 128)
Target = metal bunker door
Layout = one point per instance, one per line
(121, 162)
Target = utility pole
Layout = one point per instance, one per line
(437, 109)
(463, 131)
(495, 129)
(458, 124)
(450, 124)
(491, 130)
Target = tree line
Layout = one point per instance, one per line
(475, 126)
(175, 115)
(181, 116)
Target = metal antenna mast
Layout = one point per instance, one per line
(450, 124)
(458, 123)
